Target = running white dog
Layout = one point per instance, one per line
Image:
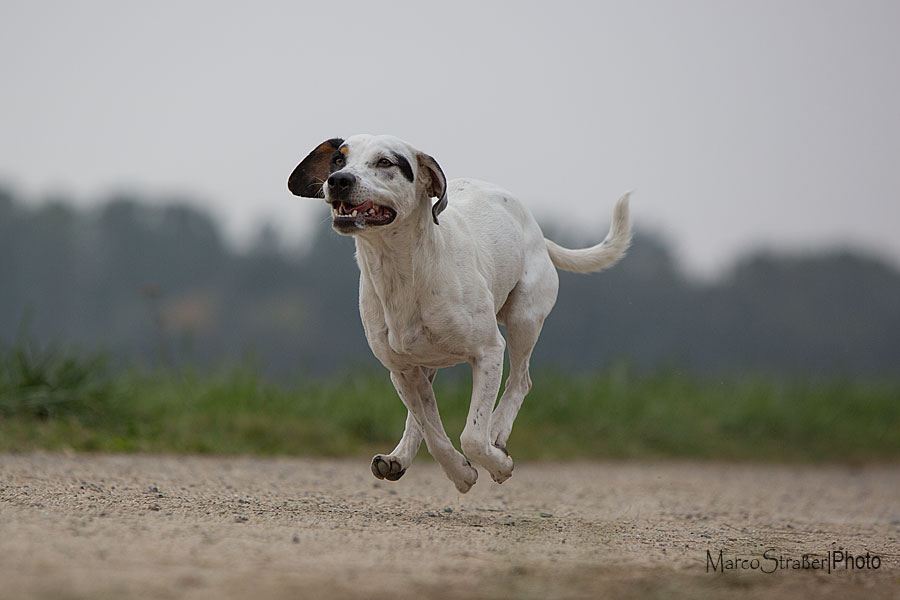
(437, 280)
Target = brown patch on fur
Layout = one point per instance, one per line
(307, 178)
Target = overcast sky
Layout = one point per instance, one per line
(739, 124)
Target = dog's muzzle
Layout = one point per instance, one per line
(347, 213)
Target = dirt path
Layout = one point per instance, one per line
(91, 526)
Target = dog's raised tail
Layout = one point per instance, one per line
(603, 255)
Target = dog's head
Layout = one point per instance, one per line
(371, 182)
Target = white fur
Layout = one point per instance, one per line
(432, 296)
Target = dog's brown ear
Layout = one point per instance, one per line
(309, 176)
(435, 183)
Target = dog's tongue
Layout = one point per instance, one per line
(364, 206)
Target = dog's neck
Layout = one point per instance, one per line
(397, 261)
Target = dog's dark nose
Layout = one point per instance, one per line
(340, 183)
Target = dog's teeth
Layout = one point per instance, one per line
(353, 214)
(371, 211)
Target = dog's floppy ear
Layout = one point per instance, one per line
(436, 183)
(309, 176)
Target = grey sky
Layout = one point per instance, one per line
(739, 124)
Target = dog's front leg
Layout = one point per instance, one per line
(414, 387)
(394, 465)
(487, 371)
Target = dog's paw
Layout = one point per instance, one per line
(506, 466)
(503, 475)
(387, 467)
(465, 478)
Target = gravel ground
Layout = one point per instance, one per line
(124, 526)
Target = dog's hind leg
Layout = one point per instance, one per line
(392, 466)
(523, 314)
(522, 337)
(414, 387)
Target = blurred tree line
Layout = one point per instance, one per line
(158, 285)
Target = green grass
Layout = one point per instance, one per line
(52, 400)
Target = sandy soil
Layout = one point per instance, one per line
(89, 526)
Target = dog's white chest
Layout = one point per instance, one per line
(411, 338)
(408, 341)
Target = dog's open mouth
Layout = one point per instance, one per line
(361, 215)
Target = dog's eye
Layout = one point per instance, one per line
(339, 161)
(385, 163)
